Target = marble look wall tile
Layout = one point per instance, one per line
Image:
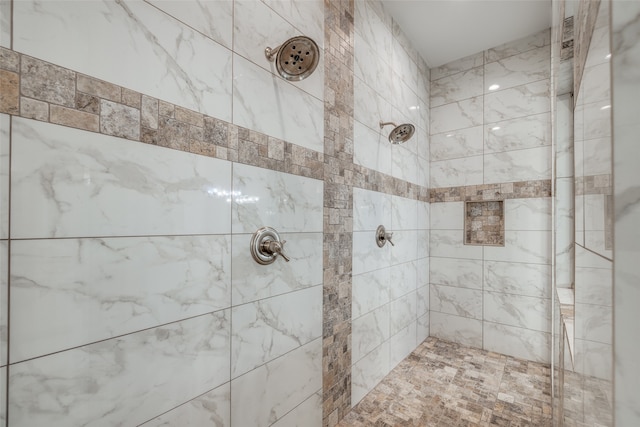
(403, 63)
(277, 387)
(453, 67)
(597, 120)
(594, 286)
(212, 408)
(456, 300)
(402, 344)
(307, 16)
(447, 216)
(457, 172)
(458, 329)
(517, 278)
(94, 182)
(424, 208)
(517, 342)
(402, 279)
(464, 85)
(422, 237)
(515, 47)
(462, 273)
(404, 213)
(402, 312)
(5, 26)
(170, 362)
(527, 214)
(596, 84)
(404, 165)
(369, 107)
(597, 156)
(594, 359)
(373, 30)
(369, 291)
(593, 322)
(369, 331)
(449, 244)
(95, 289)
(422, 328)
(456, 144)
(368, 372)
(524, 132)
(457, 115)
(522, 246)
(519, 101)
(523, 68)
(422, 301)
(370, 209)
(422, 268)
(367, 256)
(214, 19)
(286, 202)
(371, 67)
(406, 245)
(269, 328)
(304, 270)
(5, 141)
(308, 413)
(158, 55)
(371, 149)
(269, 104)
(520, 165)
(517, 310)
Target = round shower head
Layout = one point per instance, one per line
(401, 133)
(296, 58)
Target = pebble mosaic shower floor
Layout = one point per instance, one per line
(445, 384)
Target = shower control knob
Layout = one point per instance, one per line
(382, 237)
(274, 247)
(266, 246)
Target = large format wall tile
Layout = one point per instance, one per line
(371, 148)
(367, 256)
(520, 165)
(155, 54)
(457, 172)
(515, 134)
(370, 209)
(527, 214)
(449, 244)
(456, 144)
(372, 68)
(462, 273)
(459, 65)
(402, 344)
(467, 84)
(369, 331)
(456, 115)
(519, 311)
(458, 329)
(135, 376)
(93, 289)
(515, 47)
(523, 68)
(307, 16)
(518, 278)
(402, 312)
(370, 291)
(308, 413)
(519, 101)
(5, 27)
(517, 342)
(454, 300)
(71, 183)
(369, 371)
(522, 246)
(447, 216)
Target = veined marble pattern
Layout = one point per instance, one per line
(369, 331)
(522, 246)
(517, 278)
(95, 289)
(271, 105)
(367, 256)
(104, 180)
(157, 54)
(515, 47)
(370, 291)
(597, 120)
(517, 342)
(422, 301)
(456, 115)
(404, 165)
(596, 156)
(404, 97)
(456, 300)
(519, 101)
(370, 209)
(463, 85)
(214, 19)
(169, 362)
(455, 144)
(462, 273)
(402, 279)
(307, 16)
(457, 172)
(447, 216)
(403, 63)
(406, 247)
(374, 31)
(517, 310)
(277, 387)
(449, 244)
(596, 286)
(596, 83)
(402, 344)
(402, 312)
(266, 329)
(422, 327)
(520, 165)
(404, 213)
(371, 149)
(593, 322)
(371, 67)
(367, 372)
(527, 214)
(523, 68)
(5, 139)
(308, 413)
(212, 408)
(304, 270)
(461, 330)
(594, 359)
(462, 64)
(515, 134)
(370, 107)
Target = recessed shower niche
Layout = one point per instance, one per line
(484, 223)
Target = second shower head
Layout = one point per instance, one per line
(296, 58)
(401, 133)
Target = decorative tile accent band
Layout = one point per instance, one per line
(484, 223)
(593, 184)
(502, 191)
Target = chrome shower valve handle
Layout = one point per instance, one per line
(273, 247)
(383, 237)
(266, 246)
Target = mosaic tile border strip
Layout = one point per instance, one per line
(489, 192)
(594, 184)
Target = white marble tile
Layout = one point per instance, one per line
(527, 214)
(522, 246)
(594, 212)
(455, 328)
(422, 301)
(519, 101)
(457, 172)
(404, 213)
(597, 120)
(371, 67)
(447, 216)
(286, 202)
(564, 137)
(271, 105)
(449, 244)
(278, 387)
(67, 183)
(5, 140)
(422, 268)
(517, 342)
(402, 344)
(369, 291)
(257, 26)
(126, 380)
(371, 148)
(269, 328)
(464, 85)
(95, 289)
(517, 310)
(422, 135)
(515, 47)
(212, 408)
(454, 300)
(590, 259)
(406, 246)
(370, 209)
(304, 270)
(596, 83)
(520, 165)
(599, 47)
(594, 322)
(462, 273)
(423, 215)
(308, 413)
(405, 101)
(307, 16)
(594, 286)
(404, 164)
(367, 256)
(403, 63)
(515, 70)
(367, 372)
(402, 312)
(453, 67)
(4, 301)
(515, 134)
(374, 31)
(423, 237)
(594, 359)
(456, 144)
(402, 279)
(517, 278)
(423, 177)
(214, 19)
(422, 329)
(369, 107)
(369, 331)
(456, 115)
(597, 156)
(5, 41)
(156, 54)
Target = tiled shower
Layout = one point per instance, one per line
(142, 143)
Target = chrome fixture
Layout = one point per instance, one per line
(399, 134)
(266, 246)
(383, 237)
(295, 59)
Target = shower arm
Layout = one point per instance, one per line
(383, 124)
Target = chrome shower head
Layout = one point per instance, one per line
(401, 133)
(296, 58)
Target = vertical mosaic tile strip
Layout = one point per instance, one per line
(484, 223)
